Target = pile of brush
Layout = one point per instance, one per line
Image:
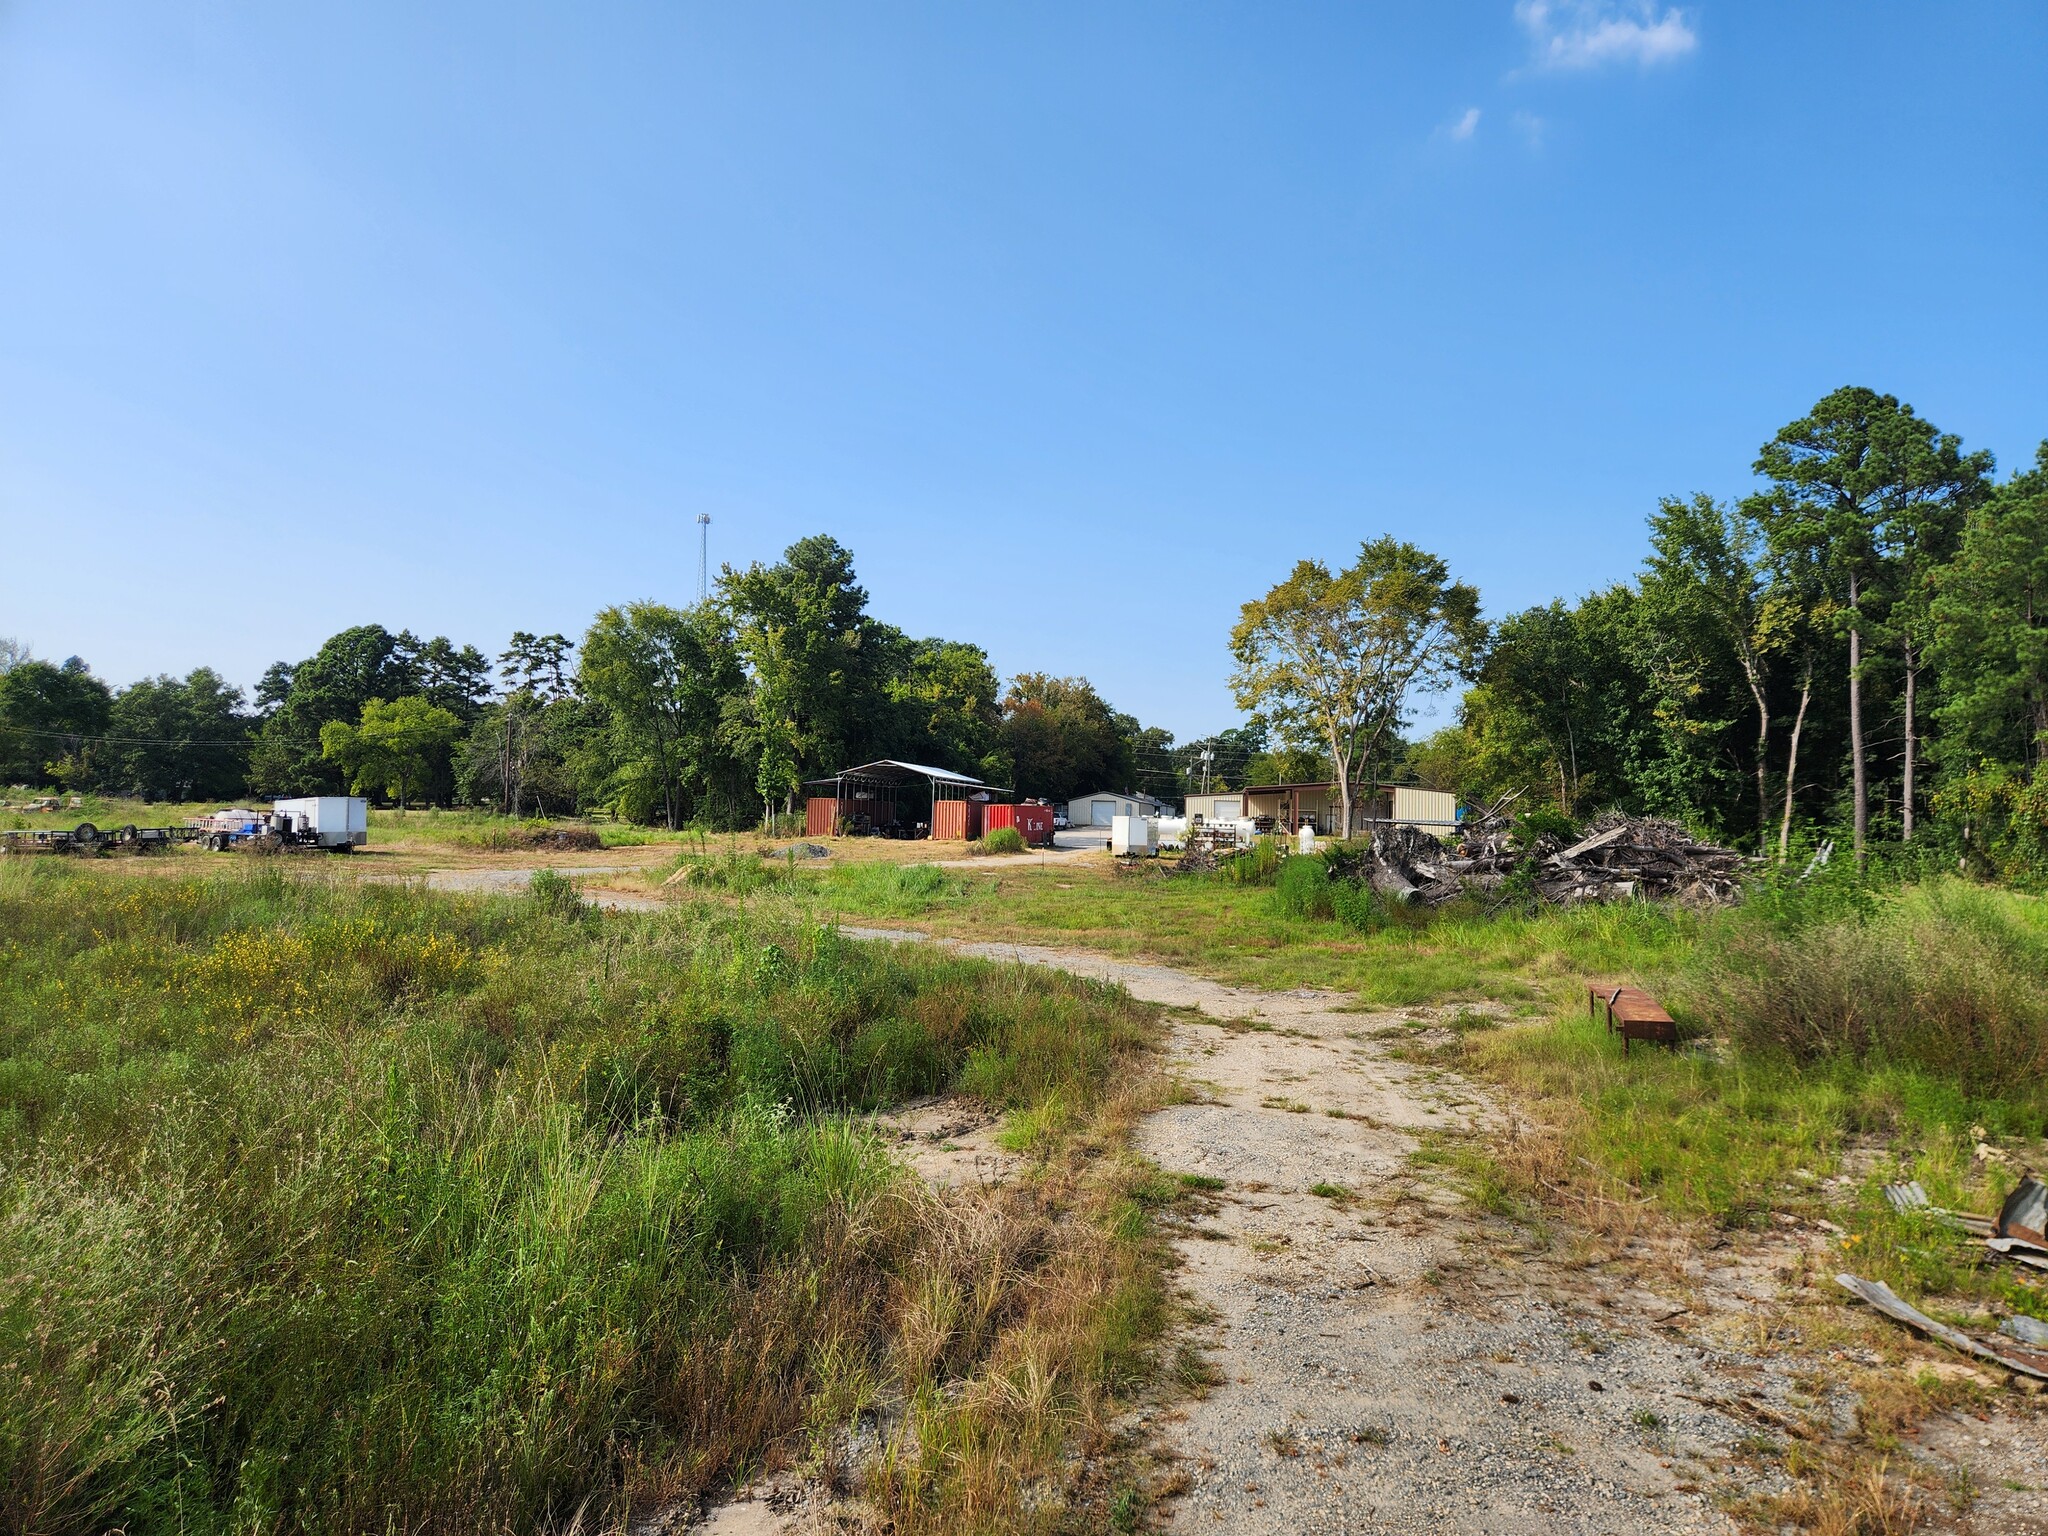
(1619, 858)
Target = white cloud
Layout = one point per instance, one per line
(1586, 34)
(1466, 126)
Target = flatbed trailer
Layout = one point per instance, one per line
(85, 838)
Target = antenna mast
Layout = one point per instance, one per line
(703, 555)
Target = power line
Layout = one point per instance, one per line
(128, 741)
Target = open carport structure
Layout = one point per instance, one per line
(890, 798)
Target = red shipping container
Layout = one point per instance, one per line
(956, 821)
(1033, 822)
(821, 816)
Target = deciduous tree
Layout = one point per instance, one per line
(51, 719)
(1336, 656)
(666, 677)
(1063, 737)
(396, 743)
(1991, 628)
(179, 738)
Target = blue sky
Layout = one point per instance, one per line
(1077, 323)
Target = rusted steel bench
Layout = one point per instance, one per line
(1634, 1014)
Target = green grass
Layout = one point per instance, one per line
(1767, 1123)
(1863, 1026)
(487, 830)
(1237, 933)
(1003, 840)
(105, 812)
(896, 890)
(334, 1207)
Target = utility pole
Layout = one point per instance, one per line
(1208, 757)
(703, 555)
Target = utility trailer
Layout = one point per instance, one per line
(85, 838)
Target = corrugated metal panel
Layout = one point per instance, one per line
(821, 816)
(956, 821)
(1425, 807)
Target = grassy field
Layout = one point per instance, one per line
(337, 1206)
(1844, 1037)
(1241, 934)
(107, 812)
(264, 1128)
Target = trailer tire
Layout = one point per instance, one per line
(126, 835)
(85, 834)
(217, 842)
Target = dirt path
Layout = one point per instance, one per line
(1380, 1369)
(1386, 1357)
(594, 876)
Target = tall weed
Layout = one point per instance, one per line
(331, 1207)
(1946, 977)
(1302, 888)
(895, 890)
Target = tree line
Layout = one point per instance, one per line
(1860, 645)
(710, 714)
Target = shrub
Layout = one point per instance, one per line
(1544, 821)
(1004, 840)
(1945, 977)
(1302, 887)
(1357, 906)
(1256, 865)
(895, 890)
(734, 872)
(2006, 812)
(555, 894)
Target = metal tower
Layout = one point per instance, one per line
(703, 555)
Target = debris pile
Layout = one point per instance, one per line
(541, 838)
(1623, 856)
(1205, 847)
(2018, 1234)
(1406, 864)
(1619, 857)
(2015, 1234)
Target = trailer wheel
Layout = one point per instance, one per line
(85, 833)
(217, 842)
(126, 835)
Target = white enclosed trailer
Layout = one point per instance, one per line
(329, 821)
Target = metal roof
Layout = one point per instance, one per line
(889, 767)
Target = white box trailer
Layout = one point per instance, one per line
(329, 821)
(1133, 836)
